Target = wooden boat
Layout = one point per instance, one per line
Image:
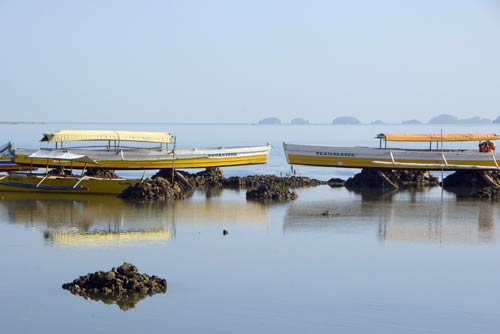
(7, 163)
(48, 183)
(398, 158)
(115, 156)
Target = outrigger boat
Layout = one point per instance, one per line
(398, 158)
(62, 183)
(7, 163)
(115, 156)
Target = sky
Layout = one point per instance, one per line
(241, 61)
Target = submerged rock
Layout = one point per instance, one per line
(123, 286)
(272, 192)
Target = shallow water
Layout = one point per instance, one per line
(409, 262)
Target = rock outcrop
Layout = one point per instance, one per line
(255, 181)
(478, 184)
(336, 183)
(471, 179)
(391, 179)
(123, 286)
(155, 189)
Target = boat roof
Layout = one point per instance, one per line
(62, 155)
(448, 137)
(107, 135)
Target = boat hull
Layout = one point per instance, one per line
(365, 157)
(141, 159)
(62, 184)
(7, 165)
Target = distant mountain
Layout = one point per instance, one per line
(411, 122)
(474, 120)
(270, 121)
(299, 121)
(377, 122)
(444, 119)
(497, 120)
(346, 120)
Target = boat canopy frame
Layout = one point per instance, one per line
(435, 138)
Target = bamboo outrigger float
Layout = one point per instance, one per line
(113, 155)
(434, 158)
(52, 183)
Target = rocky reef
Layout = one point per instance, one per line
(391, 179)
(259, 187)
(123, 286)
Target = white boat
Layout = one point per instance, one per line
(114, 155)
(433, 158)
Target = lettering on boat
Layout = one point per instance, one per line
(335, 154)
(218, 155)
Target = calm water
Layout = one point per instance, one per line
(410, 262)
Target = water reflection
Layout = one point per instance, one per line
(82, 220)
(409, 217)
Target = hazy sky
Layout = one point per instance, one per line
(240, 61)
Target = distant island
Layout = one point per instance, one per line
(443, 119)
(346, 120)
(299, 121)
(450, 119)
(270, 121)
(411, 122)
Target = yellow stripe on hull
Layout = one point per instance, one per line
(56, 184)
(151, 164)
(345, 162)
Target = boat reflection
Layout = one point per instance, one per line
(104, 220)
(409, 218)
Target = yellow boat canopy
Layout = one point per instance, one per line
(107, 135)
(449, 137)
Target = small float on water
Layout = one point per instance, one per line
(383, 157)
(115, 155)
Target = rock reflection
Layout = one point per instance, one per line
(124, 302)
(407, 218)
